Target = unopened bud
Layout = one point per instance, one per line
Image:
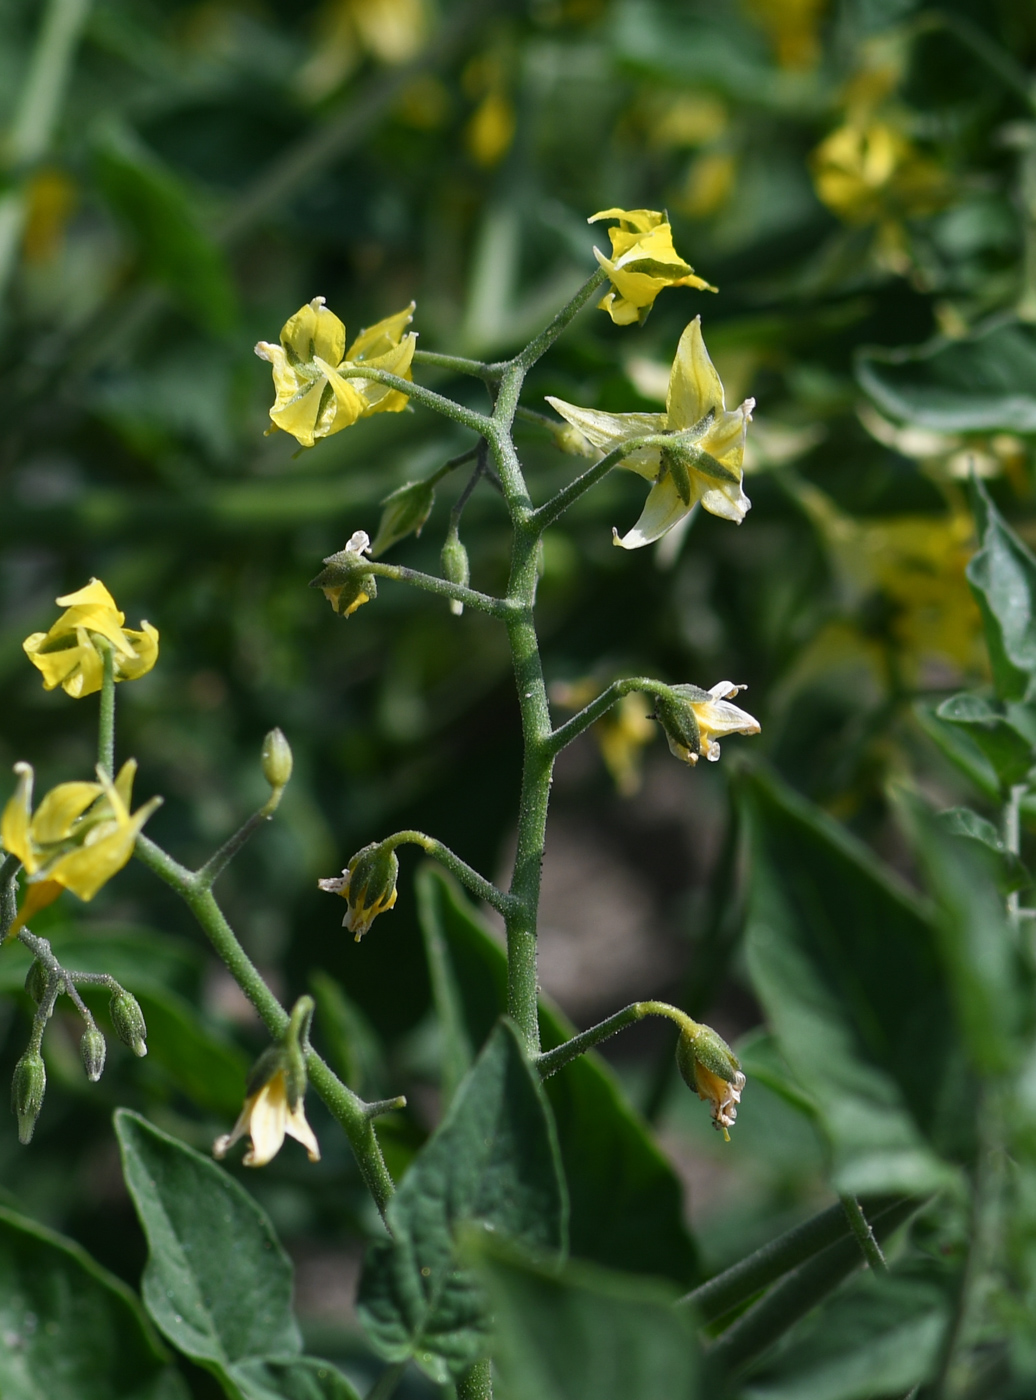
(36, 980)
(27, 1090)
(128, 1020)
(455, 567)
(368, 884)
(92, 1048)
(405, 513)
(709, 1067)
(276, 759)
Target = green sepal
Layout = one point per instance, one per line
(405, 512)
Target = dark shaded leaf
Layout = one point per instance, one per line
(494, 1160)
(1009, 871)
(1002, 575)
(957, 744)
(1008, 749)
(626, 1202)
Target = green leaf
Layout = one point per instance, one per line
(586, 1333)
(306, 1378)
(983, 383)
(493, 1159)
(957, 744)
(1010, 873)
(161, 216)
(880, 1336)
(217, 1283)
(846, 964)
(69, 1329)
(1008, 749)
(626, 1202)
(979, 948)
(1002, 575)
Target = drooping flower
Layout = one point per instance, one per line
(68, 655)
(270, 1113)
(692, 717)
(705, 461)
(343, 582)
(643, 262)
(709, 1067)
(80, 835)
(368, 884)
(313, 399)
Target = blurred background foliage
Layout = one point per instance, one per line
(858, 177)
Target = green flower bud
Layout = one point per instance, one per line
(27, 1089)
(368, 883)
(405, 513)
(680, 723)
(276, 760)
(92, 1048)
(128, 1020)
(709, 1067)
(455, 567)
(36, 981)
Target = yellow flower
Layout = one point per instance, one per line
(313, 399)
(368, 884)
(794, 27)
(708, 444)
(692, 722)
(68, 655)
(642, 263)
(868, 171)
(268, 1115)
(80, 835)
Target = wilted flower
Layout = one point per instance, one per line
(693, 717)
(313, 399)
(271, 1110)
(80, 835)
(68, 655)
(368, 883)
(346, 591)
(705, 461)
(642, 263)
(709, 1067)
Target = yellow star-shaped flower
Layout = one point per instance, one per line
(643, 262)
(708, 444)
(68, 654)
(314, 400)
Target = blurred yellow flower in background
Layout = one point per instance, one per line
(706, 460)
(866, 172)
(51, 198)
(642, 264)
(490, 131)
(621, 734)
(392, 31)
(313, 399)
(68, 654)
(80, 835)
(793, 27)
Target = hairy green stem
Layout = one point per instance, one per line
(347, 1107)
(37, 114)
(864, 1234)
(768, 1320)
(550, 1061)
(207, 876)
(553, 509)
(739, 1283)
(442, 588)
(1012, 837)
(428, 398)
(476, 1384)
(479, 886)
(537, 348)
(106, 711)
(578, 724)
(8, 894)
(458, 364)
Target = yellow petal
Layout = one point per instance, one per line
(695, 388)
(303, 415)
(56, 814)
(314, 331)
(37, 897)
(606, 431)
(268, 1122)
(145, 645)
(297, 1128)
(14, 824)
(124, 783)
(85, 870)
(347, 403)
(663, 508)
(641, 220)
(379, 397)
(93, 595)
(383, 336)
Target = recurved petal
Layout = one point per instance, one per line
(663, 509)
(396, 360)
(721, 717)
(314, 332)
(304, 413)
(123, 784)
(695, 388)
(640, 220)
(296, 1127)
(383, 336)
(14, 824)
(267, 1122)
(725, 438)
(145, 645)
(607, 431)
(62, 806)
(88, 618)
(94, 594)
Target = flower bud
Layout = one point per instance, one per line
(27, 1089)
(343, 582)
(368, 883)
(681, 727)
(92, 1048)
(36, 980)
(276, 760)
(405, 513)
(128, 1020)
(455, 567)
(709, 1067)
